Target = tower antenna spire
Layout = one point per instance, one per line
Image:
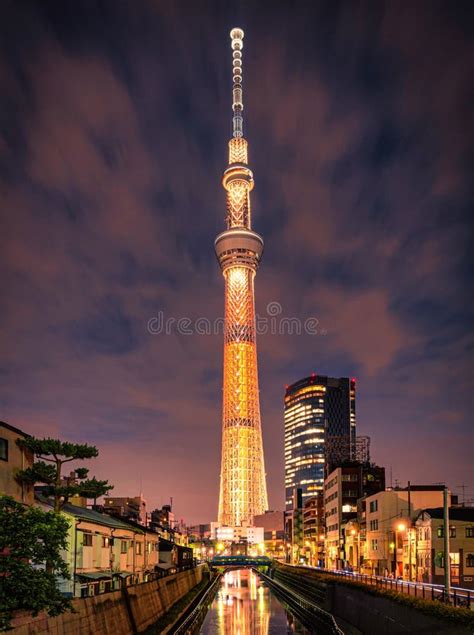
(237, 37)
(243, 489)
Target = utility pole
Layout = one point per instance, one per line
(447, 563)
(463, 488)
(409, 532)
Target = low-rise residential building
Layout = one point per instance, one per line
(127, 507)
(105, 552)
(389, 519)
(12, 460)
(429, 546)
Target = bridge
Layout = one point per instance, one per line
(240, 562)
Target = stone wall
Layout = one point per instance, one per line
(126, 612)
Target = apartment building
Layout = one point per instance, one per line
(105, 552)
(389, 519)
(343, 487)
(429, 546)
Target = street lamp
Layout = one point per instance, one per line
(400, 527)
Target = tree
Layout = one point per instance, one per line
(31, 541)
(52, 454)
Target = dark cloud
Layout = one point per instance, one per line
(113, 140)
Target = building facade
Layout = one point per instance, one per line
(429, 539)
(12, 460)
(243, 490)
(343, 488)
(105, 552)
(294, 528)
(314, 527)
(389, 518)
(320, 431)
(273, 525)
(128, 507)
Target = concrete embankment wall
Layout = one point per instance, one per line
(126, 612)
(372, 614)
(368, 613)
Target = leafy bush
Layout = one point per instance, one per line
(30, 562)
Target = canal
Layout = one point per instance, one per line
(245, 606)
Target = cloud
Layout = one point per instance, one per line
(113, 140)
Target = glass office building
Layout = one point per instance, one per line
(320, 427)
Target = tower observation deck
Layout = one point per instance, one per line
(243, 492)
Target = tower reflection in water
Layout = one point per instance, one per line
(244, 606)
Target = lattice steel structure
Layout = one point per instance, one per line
(243, 492)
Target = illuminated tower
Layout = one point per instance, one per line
(243, 491)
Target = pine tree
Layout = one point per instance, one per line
(51, 455)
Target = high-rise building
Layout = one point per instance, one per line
(243, 492)
(320, 427)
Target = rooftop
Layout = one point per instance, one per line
(3, 424)
(455, 513)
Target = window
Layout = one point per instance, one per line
(440, 531)
(4, 449)
(374, 506)
(469, 532)
(374, 544)
(105, 541)
(123, 546)
(139, 548)
(452, 532)
(87, 540)
(374, 525)
(454, 558)
(470, 560)
(439, 560)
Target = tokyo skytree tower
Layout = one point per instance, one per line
(243, 491)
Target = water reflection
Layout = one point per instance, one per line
(243, 606)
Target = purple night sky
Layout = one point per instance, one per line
(114, 129)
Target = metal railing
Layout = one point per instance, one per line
(457, 596)
(192, 620)
(315, 613)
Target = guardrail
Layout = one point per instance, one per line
(195, 615)
(457, 596)
(311, 613)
